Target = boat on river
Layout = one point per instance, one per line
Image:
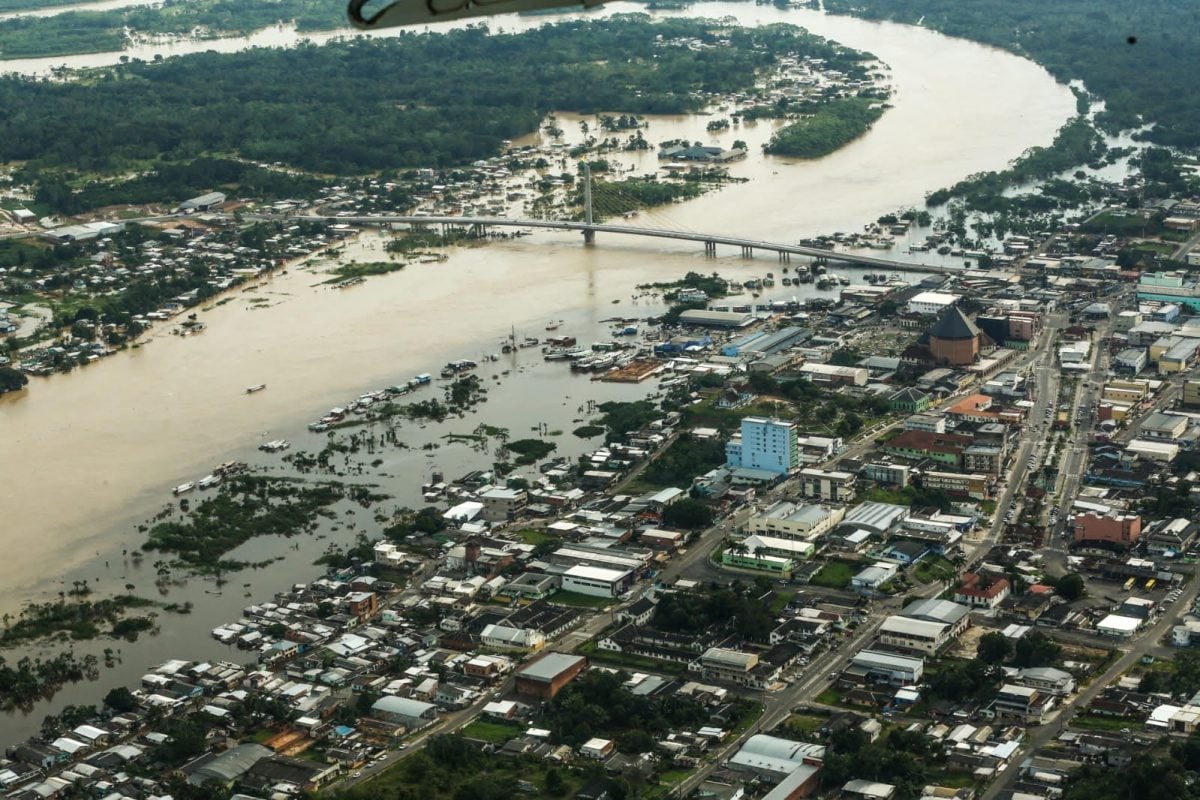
(183, 488)
(258, 387)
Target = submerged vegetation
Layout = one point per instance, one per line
(78, 619)
(245, 507)
(31, 680)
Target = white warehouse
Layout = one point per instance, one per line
(596, 581)
(931, 303)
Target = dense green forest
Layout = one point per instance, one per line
(1139, 55)
(167, 183)
(98, 31)
(830, 127)
(371, 104)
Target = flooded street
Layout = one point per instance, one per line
(90, 454)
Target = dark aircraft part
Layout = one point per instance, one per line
(423, 12)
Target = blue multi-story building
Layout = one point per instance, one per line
(764, 444)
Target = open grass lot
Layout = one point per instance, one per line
(490, 731)
(631, 662)
(581, 600)
(667, 782)
(474, 775)
(781, 599)
(747, 720)
(535, 537)
(834, 575)
(933, 569)
(803, 724)
(1094, 722)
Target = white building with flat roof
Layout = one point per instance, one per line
(931, 303)
(919, 635)
(787, 520)
(1118, 626)
(596, 581)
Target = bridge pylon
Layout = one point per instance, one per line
(589, 233)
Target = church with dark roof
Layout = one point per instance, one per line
(953, 341)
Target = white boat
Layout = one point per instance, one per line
(184, 488)
(258, 387)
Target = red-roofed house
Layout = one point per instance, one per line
(981, 592)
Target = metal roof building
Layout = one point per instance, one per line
(404, 711)
(715, 319)
(879, 517)
(550, 666)
(933, 610)
(774, 756)
(228, 766)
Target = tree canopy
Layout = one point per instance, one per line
(1139, 55)
(419, 99)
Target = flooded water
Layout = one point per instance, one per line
(88, 455)
(98, 5)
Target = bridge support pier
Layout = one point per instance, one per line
(785, 257)
(747, 251)
(710, 249)
(589, 236)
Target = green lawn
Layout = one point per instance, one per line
(667, 782)
(804, 723)
(450, 780)
(830, 697)
(629, 661)
(581, 600)
(951, 778)
(1155, 247)
(490, 731)
(834, 575)
(1093, 722)
(744, 724)
(535, 537)
(933, 569)
(781, 599)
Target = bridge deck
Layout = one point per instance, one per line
(631, 230)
